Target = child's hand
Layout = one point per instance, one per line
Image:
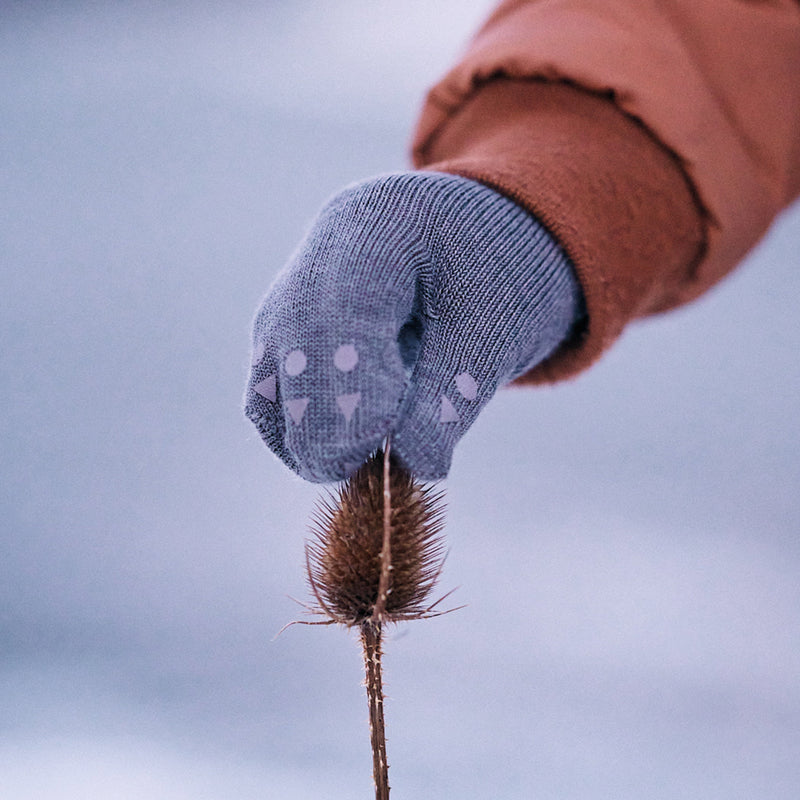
(411, 299)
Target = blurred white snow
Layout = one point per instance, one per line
(627, 543)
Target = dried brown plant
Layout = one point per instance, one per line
(375, 557)
(345, 558)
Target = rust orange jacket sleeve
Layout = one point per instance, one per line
(657, 139)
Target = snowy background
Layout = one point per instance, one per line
(627, 544)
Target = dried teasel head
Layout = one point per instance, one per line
(376, 551)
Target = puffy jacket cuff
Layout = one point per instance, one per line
(617, 201)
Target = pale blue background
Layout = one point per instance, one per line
(627, 543)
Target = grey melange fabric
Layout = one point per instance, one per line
(413, 296)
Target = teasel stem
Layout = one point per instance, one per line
(386, 548)
(371, 642)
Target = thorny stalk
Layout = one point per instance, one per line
(371, 642)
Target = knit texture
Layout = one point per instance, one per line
(412, 298)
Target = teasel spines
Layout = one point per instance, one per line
(348, 553)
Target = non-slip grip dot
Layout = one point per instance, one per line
(295, 362)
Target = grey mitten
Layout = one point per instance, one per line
(411, 299)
